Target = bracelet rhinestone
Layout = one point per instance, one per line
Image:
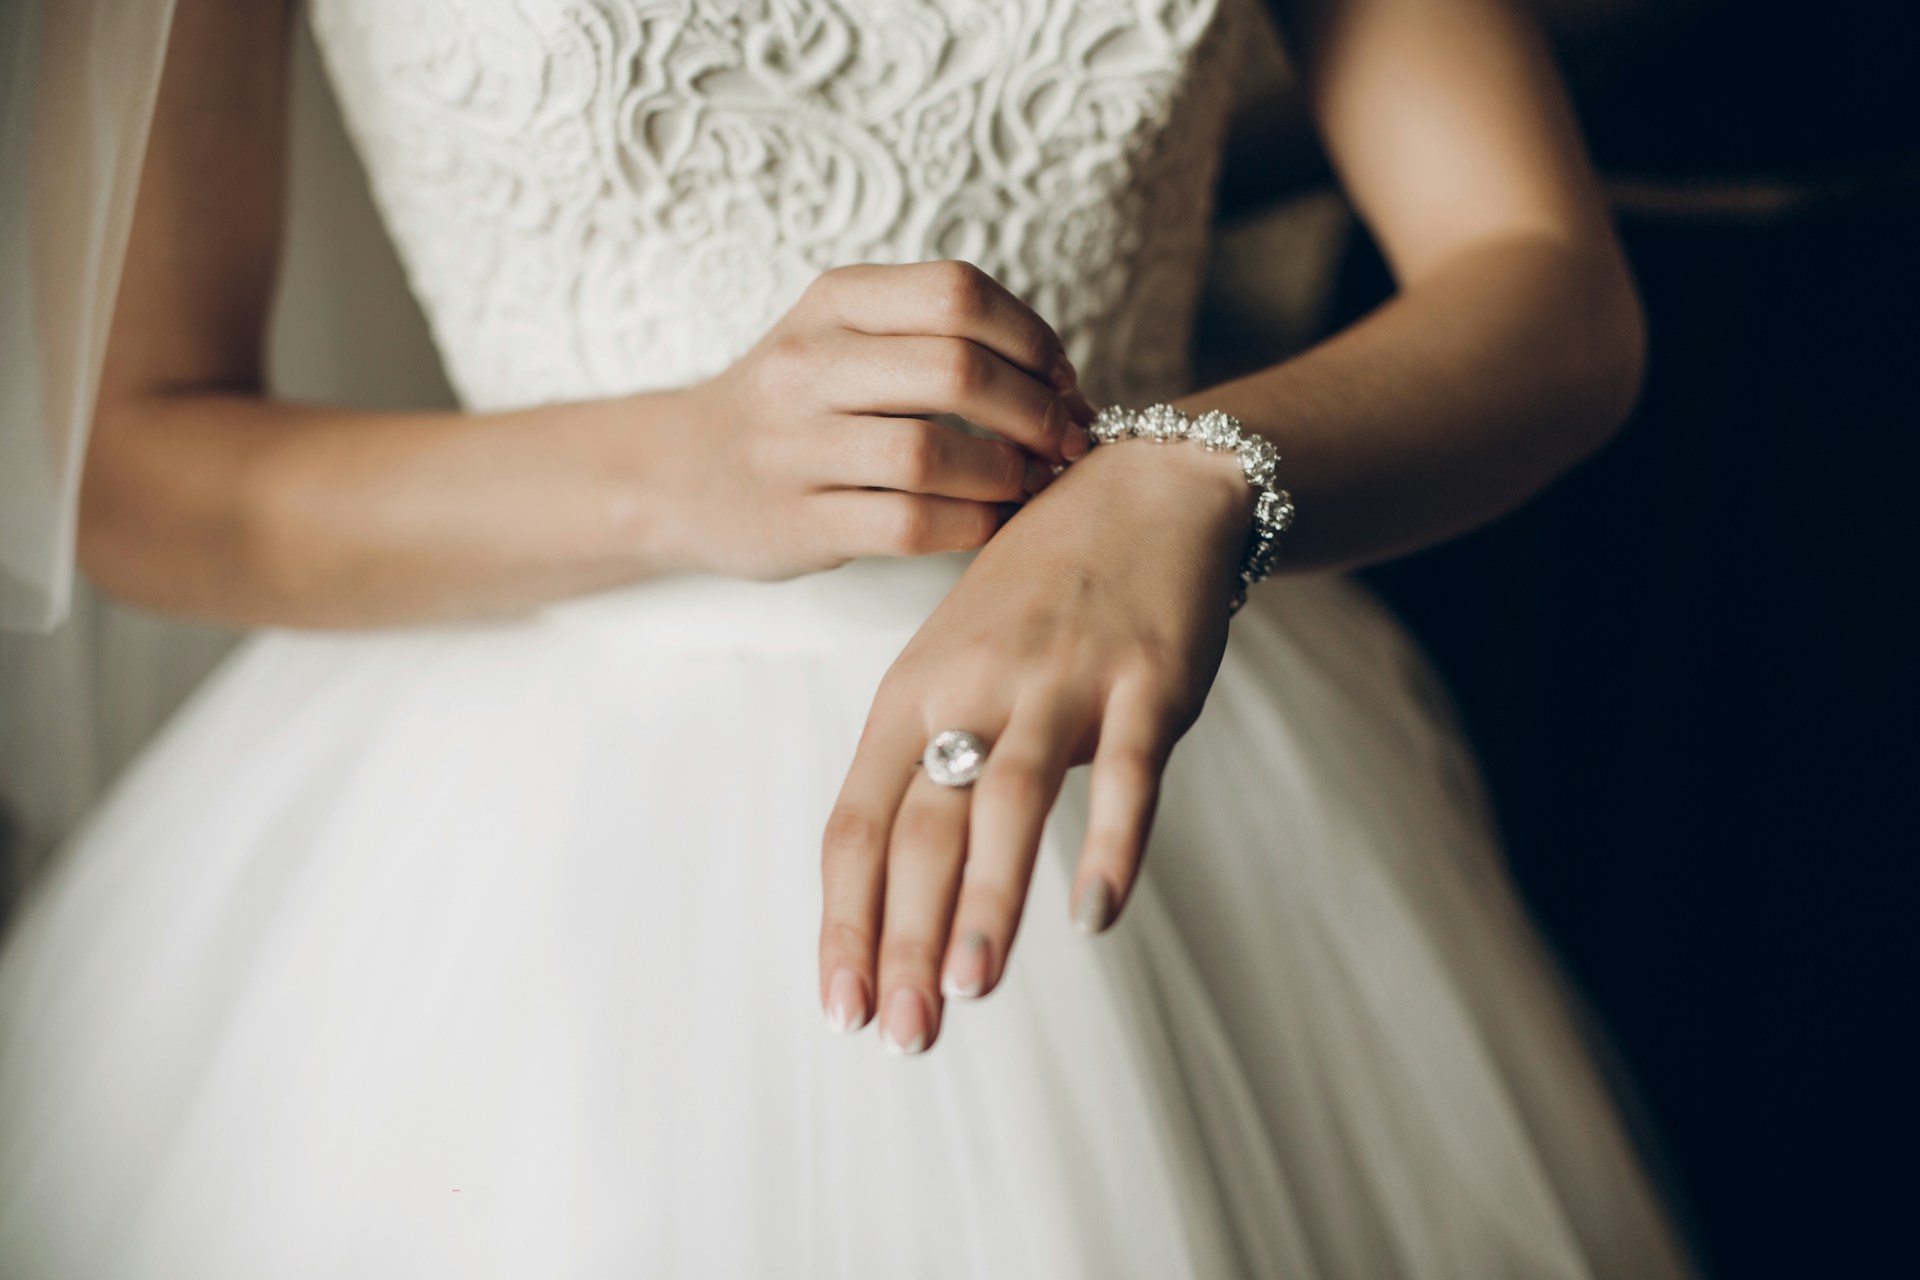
(1215, 432)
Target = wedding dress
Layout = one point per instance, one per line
(489, 949)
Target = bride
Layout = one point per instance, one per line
(619, 763)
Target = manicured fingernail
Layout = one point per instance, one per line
(905, 1027)
(1074, 444)
(1039, 476)
(1096, 907)
(846, 1000)
(1063, 375)
(967, 971)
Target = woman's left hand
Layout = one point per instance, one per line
(1089, 629)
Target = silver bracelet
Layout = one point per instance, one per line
(1216, 432)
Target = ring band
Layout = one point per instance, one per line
(954, 758)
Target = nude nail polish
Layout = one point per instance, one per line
(967, 971)
(846, 1000)
(904, 1029)
(1075, 444)
(1095, 909)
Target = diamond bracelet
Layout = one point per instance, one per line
(1216, 432)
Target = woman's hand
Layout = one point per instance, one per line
(1089, 629)
(814, 447)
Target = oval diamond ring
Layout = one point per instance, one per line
(954, 758)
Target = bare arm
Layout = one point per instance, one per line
(204, 496)
(1090, 629)
(1514, 346)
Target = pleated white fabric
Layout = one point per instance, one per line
(489, 950)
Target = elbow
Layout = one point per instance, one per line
(1608, 366)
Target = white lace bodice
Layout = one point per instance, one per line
(601, 196)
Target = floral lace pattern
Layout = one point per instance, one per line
(595, 197)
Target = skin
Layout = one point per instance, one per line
(202, 496)
(1091, 627)
(1091, 624)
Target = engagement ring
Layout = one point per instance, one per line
(954, 758)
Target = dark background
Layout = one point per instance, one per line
(1689, 667)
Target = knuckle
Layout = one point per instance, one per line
(1134, 767)
(908, 953)
(960, 370)
(845, 940)
(825, 286)
(1180, 717)
(1016, 784)
(1158, 664)
(1056, 672)
(959, 293)
(920, 835)
(852, 833)
(1012, 470)
(896, 699)
(908, 526)
(993, 901)
(1179, 702)
(784, 360)
(913, 456)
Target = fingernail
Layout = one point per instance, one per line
(846, 1000)
(1063, 375)
(905, 1028)
(1096, 907)
(1039, 476)
(967, 972)
(1074, 444)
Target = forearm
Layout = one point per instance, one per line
(246, 510)
(1450, 404)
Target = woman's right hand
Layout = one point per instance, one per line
(815, 447)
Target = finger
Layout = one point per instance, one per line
(915, 456)
(923, 873)
(853, 860)
(945, 299)
(873, 522)
(1011, 801)
(1136, 735)
(924, 376)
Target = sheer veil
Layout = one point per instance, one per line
(81, 77)
(79, 83)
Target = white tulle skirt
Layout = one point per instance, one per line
(489, 951)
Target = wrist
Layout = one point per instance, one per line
(1177, 473)
(654, 472)
(1215, 431)
(1173, 493)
